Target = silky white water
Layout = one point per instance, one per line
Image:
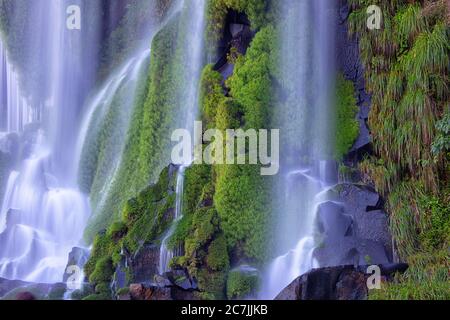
(307, 73)
(16, 111)
(193, 47)
(126, 79)
(166, 254)
(43, 214)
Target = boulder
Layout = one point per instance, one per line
(19, 290)
(77, 257)
(142, 292)
(181, 279)
(335, 283)
(26, 296)
(151, 292)
(352, 228)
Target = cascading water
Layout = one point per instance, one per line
(192, 45)
(126, 80)
(167, 254)
(43, 214)
(14, 107)
(307, 74)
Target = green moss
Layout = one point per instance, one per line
(103, 271)
(212, 284)
(240, 285)
(211, 94)
(217, 258)
(251, 83)
(159, 109)
(347, 127)
(123, 291)
(144, 219)
(103, 288)
(97, 297)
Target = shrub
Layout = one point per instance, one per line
(240, 285)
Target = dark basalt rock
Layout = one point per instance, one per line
(77, 257)
(8, 285)
(350, 65)
(336, 283)
(238, 35)
(181, 279)
(144, 265)
(352, 228)
(19, 290)
(143, 291)
(173, 285)
(26, 296)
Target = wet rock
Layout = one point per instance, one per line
(8, 285)
(77, 257)
(352, 228)
(332, 219)
(25, 296)
(335, 283)
(181, 279)
(350, 65)
(161, 281)
(12, 289)
(120, 275)
(144, 265)
(328, 171)
(142, 292)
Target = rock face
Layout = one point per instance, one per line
(174, 285)
(144, 265)
(335, 283)
(238, 35)
(77, 257)
(353, 228)
(350, 65)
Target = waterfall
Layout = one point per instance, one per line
(167, 254)
(193, 47)
(307, 76)
(14, 107)
(43, 214)
(126, 78)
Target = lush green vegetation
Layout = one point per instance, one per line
(240, 285)
(347, 129)
(256, 10)
(155, 114)
(227, 208)
(144, 220)
(407, 72)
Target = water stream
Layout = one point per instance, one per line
(306, 47)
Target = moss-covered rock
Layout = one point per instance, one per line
(347, 127)
(144, 220)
